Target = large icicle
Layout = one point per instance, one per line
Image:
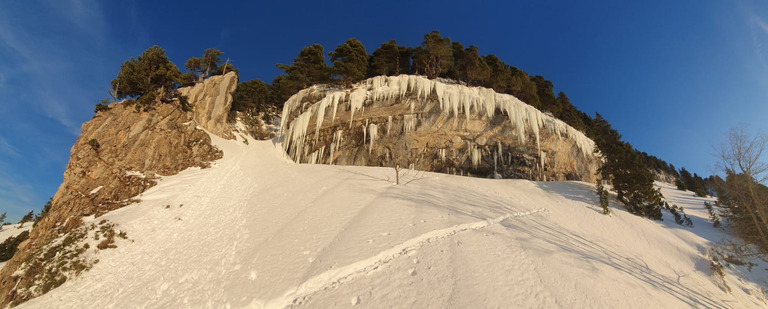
(409, 123)
(373, 134)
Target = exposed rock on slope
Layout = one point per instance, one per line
(118, 156)
(433, 126)
(212, 101)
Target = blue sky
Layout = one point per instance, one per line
(671, 76)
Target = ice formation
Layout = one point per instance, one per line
(373, 133)
(454, 100)
(409, 123)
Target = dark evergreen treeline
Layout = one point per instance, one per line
(437, 56)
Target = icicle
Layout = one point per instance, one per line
(373, 131)
(475, 154)
(409, 123)
(441, 154)
(389, 124)
(356, 99)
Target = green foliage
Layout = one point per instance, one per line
(2, 219)
(44, 212)
(102, 106)
(476, 69)
(149, 72)
(8, 246)
(501, 75)
(350, 62)
(693, 183)
(523, 88)
(679, 214)
(203, 67)
(385, 60)
(187, 79)
(151, 77)
(632, 181)
(308, 68)
(546, 95)
(602, 194)
(27, 218)
(185, 105)
(713, 216)
(434, 57)
(254, 97)
(94, 144)
(224, 69)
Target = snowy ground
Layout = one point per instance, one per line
(256, 230)
(11, 231)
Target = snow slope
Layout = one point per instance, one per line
(258, 231)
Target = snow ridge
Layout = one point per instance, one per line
(337, 276)
(453, 99)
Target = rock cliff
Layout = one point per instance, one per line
(119, 155)
(433, 125)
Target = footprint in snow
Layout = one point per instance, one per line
(412, 271)
(384, 234)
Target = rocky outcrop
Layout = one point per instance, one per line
(212, 101)
(119, 155)
(434, 126)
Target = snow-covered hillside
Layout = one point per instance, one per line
(257, 230)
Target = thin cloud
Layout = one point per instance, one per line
(8, 149)
(46, 61)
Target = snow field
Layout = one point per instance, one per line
(258, 231)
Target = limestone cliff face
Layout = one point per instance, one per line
(212, 101)
(434, 126)
(119, 155)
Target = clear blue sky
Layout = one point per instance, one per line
(671, 76)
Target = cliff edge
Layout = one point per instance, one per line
(120, 154)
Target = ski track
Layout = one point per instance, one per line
(335, 277)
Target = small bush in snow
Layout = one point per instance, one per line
(602, 194)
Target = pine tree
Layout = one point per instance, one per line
(27, 218)
(437, 57)
(44, 212)
(500, 76)
(458, 71)
(602, 194)
(151, 77)
(350, 62)
(385, 60)
(308, 68)
(632, 181)
(203, 67)
(254, 97)
(2, 220)
(523, 88)
(476, 70)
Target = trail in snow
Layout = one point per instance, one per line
(340, 275)
(256, 230)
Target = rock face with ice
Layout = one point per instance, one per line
(117, 157)
(433, 126)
